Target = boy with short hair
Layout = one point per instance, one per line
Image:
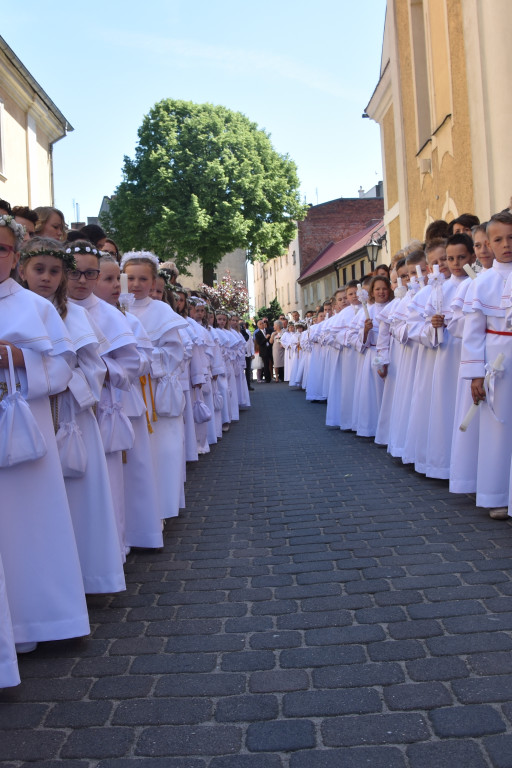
(485, 337)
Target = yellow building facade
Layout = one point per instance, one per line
(30, 124)
(444, 111)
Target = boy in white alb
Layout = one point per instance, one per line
(486, 337)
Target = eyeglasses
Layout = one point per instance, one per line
(89, 274)
(5, 250)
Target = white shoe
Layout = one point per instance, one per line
(25, 647)
(499, 513)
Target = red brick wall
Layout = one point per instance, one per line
(333, 221)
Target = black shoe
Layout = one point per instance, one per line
(251, 389)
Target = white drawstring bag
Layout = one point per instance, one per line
(71, 446)
(218, 400)
(200, 410)
(169, 396)
(20, 437)
(115, 428)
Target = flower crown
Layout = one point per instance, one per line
(164, 274)
(82, 249)
(19, 230)
(65, 256)
(139, 256)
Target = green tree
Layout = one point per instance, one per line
(271, 312)
(205, 181)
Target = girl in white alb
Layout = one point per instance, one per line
(37, 543)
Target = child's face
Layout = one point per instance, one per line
(320, 317)
(211, 318)
(140, 279)
(221, 321)
(411, 269)
(403, 272)
(54, 227)
(340, 301)
(482, 250)
(8, 256)
(380, 292)
(500, 240)
(43, 274)
(438, 256)
(457, 256)
(200, 313)
(157, 291)
(83, 287)
(352, 296)
(235, 323)
(180, 302)
(108, 286)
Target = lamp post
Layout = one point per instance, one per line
(373, 247)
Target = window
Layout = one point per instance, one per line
(420, 71)
(311, 293)
(344, 275)
(362, 268)
(353, 269)
(294, 257)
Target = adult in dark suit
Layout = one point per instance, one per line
(261, 338)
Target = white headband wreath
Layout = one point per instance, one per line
(19, 230)
(139, 256)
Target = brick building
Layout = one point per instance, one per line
(333, 221)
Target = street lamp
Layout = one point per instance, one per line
(373, 247)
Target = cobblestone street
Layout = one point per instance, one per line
(317, 605)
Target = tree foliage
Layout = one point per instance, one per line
(228, 294)
(271, 312)
(204, 181)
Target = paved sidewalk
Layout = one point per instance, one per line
(317, 605)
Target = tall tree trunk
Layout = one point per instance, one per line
(208, 274)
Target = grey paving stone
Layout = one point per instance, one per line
(330, 703)
(396, 650)
(97, 743)
(471, 643)
(483, 689)
(445, 753)
(271, 640)
(277, 680)
(166, 711)
(247, 761)
(374, 729)
(151, 762)
(129, 687)
(358, 757)
(246, 708)
(321, 657)
(470, 721)
(417, 696)
(437, 669)
(200, 685)
(281, 736)
(499, 749)
(499, 663)
(79, 714)
(355, 675)
(21, 715)
(189, 740)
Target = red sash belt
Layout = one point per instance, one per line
(499, 333)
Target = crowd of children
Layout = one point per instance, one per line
(112, 377)
(422, 361)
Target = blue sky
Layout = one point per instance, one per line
(303, 71)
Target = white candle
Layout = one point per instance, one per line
(435, 270)
(419, 272)
(399, 282)
(124, 283)
(469, 271)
